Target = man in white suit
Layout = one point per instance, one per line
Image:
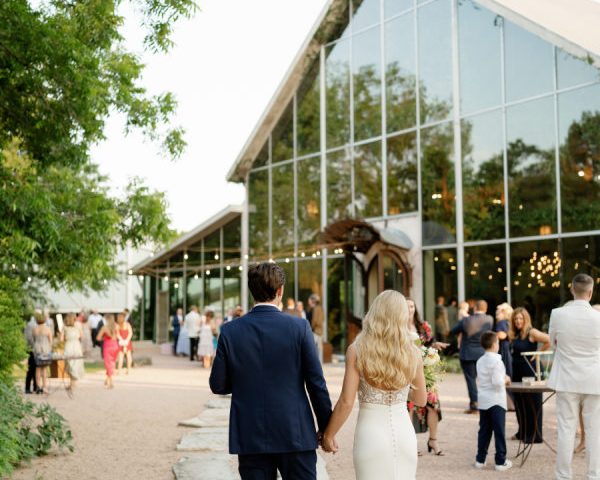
(575, 336)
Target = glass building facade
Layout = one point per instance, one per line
(472, 135)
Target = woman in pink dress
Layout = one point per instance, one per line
(108, 334)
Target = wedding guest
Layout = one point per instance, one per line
(71, 336)
(127, 314)
(42, 349)
(317, 319)
(524, 338)
(207, 331)
(492, 381)
(108, 335)
(442, 327)
(30, 377)
(291, 308)
(176, 323)
(300, 309)
(471, 350)
(86, 334)
(124, 335)
(237, 312)
(463, 310)
(503, 314)
(431, 413)
(94, 323)
(192, 323)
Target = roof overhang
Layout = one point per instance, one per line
(573, 25)
(188, 239)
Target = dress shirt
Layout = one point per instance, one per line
(490, 381)
(193, 322)
(94, 320)
(266, 304)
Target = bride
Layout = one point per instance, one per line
(385, 367)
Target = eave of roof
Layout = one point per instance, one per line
(569, 24)
(203, 230)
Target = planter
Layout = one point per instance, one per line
(57, 369)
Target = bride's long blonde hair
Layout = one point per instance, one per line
(386, 355)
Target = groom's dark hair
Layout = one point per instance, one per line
(264, 280)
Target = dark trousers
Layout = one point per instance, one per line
(292, 466)
(530, 416)
(175, 338)
(469, 368)
(492, 420)
(30, 378)
(194, 348)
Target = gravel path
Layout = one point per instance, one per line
(131, 431)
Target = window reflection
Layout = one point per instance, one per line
(367, 84)
(258, 214)
(580, 255)
(263, 156)
(212, 248)
(483, 174)
(232, 288)
(479, 37)
(531, 168)
(529, 63)
(365, 13)
(212, 291)
(573, 71)
(437, 178)
(194, 291)
(289, 290)
(337, 68)
(439, 279)
(367, 180)
(400, 73)
(485, 274)
(282, 222)
(435, 61)
(309, 279)
(535, 275)
(309, 199)
(283, 136)
(339, 186)
(579, 133)
(308, 103)
(402, 173)
(341, 299)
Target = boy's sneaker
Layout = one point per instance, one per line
(506, 466)
(478, 465)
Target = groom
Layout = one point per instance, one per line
(265, 359)
(575, 335)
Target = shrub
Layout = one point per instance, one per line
(12, 342)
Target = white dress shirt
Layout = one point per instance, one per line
(94, 320)
(491, 374)
(193, 322)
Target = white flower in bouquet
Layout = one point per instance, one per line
(430, 356)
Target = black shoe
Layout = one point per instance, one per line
(28, 392)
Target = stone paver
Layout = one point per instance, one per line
(206, 466)
(211, 417)
(210, 438)
(219, 403)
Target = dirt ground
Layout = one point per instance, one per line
(131, 432)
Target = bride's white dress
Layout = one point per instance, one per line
(385, 443)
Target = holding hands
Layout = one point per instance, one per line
(329, 444)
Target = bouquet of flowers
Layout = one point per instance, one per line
(434, 369)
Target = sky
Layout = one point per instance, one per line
(227, 63)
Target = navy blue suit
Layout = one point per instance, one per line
(265, 359)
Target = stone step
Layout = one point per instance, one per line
(211, 417)
(206, 466)
(219, 402)
(209, 439)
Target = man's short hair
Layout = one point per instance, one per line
(264, 280)
(481, 306)
(582, 284)
(488, 339)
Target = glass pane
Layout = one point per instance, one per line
(402, 173)
(212, 248)
(194, 258)
(366, 59)
(393, 275)
(367, 180)
(309, 279)
(337, 71)
(435, 61)
(283, 210)
(290, 283)
(364, 14)
(400, 73)
(535, 269)
(339, 186)
(340, 299)
(393, 7)
(483, 176)
(212, 291)
(308, 128)
(258, 213)
(263, 156)
(437, 178)
(531, 168)
(309, 200)
(232, 287)
(574, 71)
(529, 64)
(580, 255)
(175, 293)
(485, 274)
(232, 241)
(579, 133)
(439, 279)
(194, 291)
(283, 136)
(479, 37)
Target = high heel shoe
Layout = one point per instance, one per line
(435, 451)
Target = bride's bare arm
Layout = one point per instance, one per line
(418, 392)
(344, 405)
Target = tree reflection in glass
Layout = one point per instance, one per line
(402, 173)
(367, 180)
(308, 129)
(339, 185)
(309, 200)
(580, 255)
(258, 213)
(485, 274)
(282, 222)
(337, 78)
(367, 84)
(283, 136)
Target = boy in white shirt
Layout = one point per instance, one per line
(491, 383)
